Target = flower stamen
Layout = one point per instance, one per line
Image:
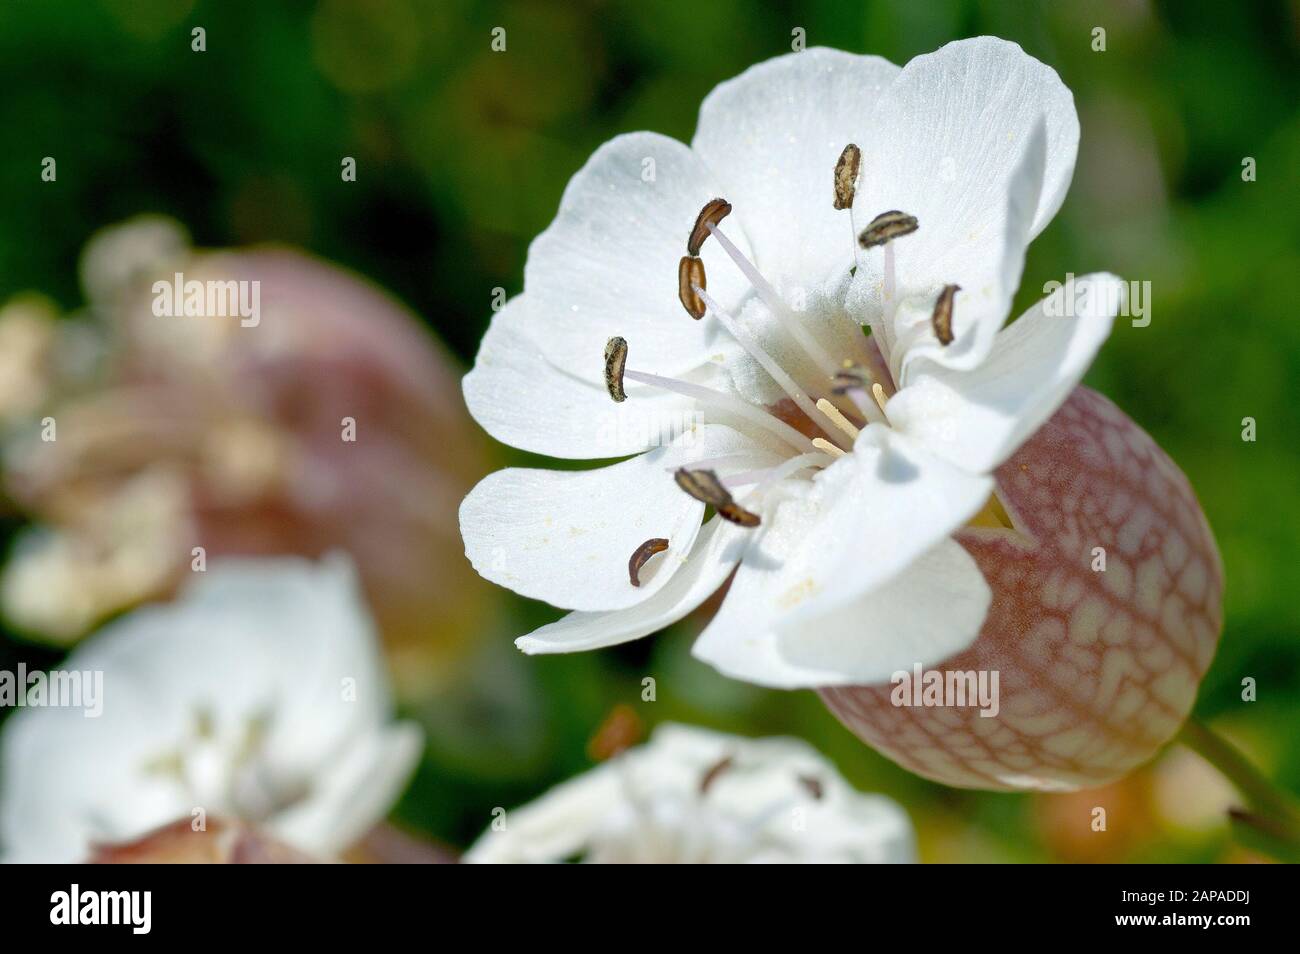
(723, 402)
(853, 380)
(616, 371)
(846, 187)
(941, 319)
(705, 487)
(837, 418)
(769, 475)
(709, 777)
(690, 276)
(642, 554)
(882, 230)
(846, 176)
(887, 226)
(878, 393)
(812, 786)
(774, 302)
(755, 350)
(615, 364)
(822, 444)
(885, 333)
(714, 211)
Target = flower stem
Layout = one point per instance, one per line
(1275, 818)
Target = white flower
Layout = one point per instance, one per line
(258, 696)
(693, 796)
(859, 478)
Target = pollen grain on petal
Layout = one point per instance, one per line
(615, 363)
(714, 211)
(690, 275)
(846, 176)
(887, 226)
(641, 555)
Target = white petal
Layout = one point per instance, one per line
(717, 550)
(900, 502)
(647, 806)
(953, 132)
(931, 611)
(979, 418)
(353, 792)
(608, 263)
(950, 130)
(866, 519)
(773, 135)
(522, 399)
(565, 536)
(265, 641)
(988, 276)
(556, 826)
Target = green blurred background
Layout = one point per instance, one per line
(462, 155)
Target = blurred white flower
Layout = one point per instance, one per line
(27, 334)
(271, 440)
(695, 796)
(259, 696)
(128, 541)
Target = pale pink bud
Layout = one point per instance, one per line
(1097, 668)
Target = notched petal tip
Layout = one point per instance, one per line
(887, 226)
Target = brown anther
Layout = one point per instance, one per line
(887, 226)
(941, 319)
(690, 275)
(846, 176)
(714, 771)
(621, 730)
(641, 554)
(850, 378)
(615, 362)
(714, 211)
(705, 487)
(738, 515)
(813, 786)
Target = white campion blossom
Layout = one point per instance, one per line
(859, 455)
(259, 696)
(692, 796)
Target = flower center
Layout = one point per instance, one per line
(819, 419)
(659, 823)
(227, 772)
